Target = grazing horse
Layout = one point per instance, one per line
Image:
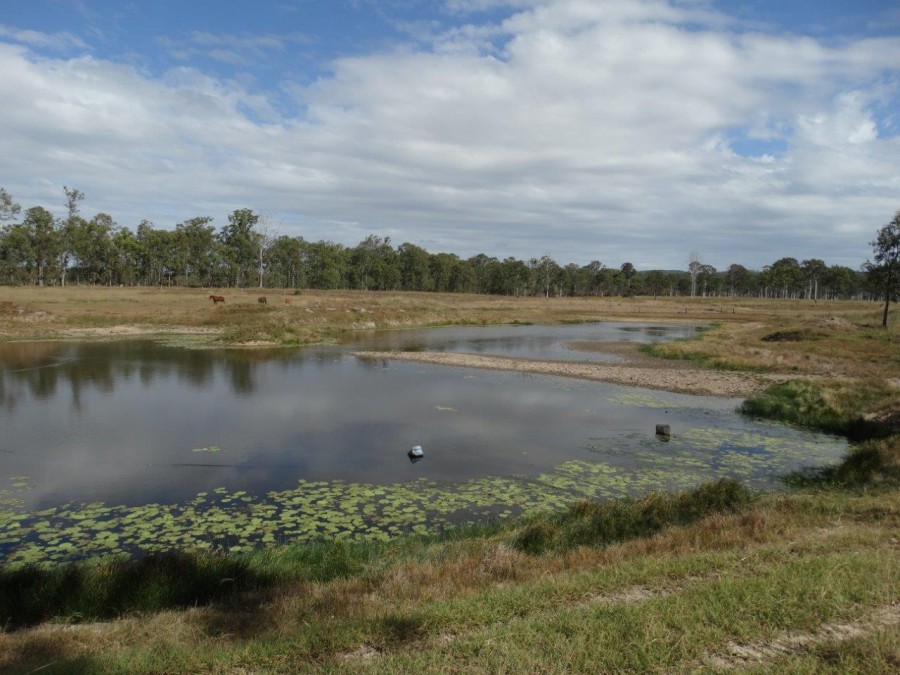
(262, 300)
(217, 299)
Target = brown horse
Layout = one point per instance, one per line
(217, 299)
(262, 300)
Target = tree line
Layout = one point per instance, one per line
(38, 249)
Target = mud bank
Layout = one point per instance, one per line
(678, 379)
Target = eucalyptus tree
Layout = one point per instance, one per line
(15, 246)
(694, 269)
(483, 267)
(415, 267)
(156, 254)
(514, 275)
(545, 274)
(8, 208)
(596, 278)
(884, 273)
(463, 278)
(840, 282)
(285, 262)
(655, 283)
(16, 255)
(442, 266)
(90, 243)
(43, 240)
(787, 276)
(738, 278)
(574, 280)
(812, 272)
(194, 252)
(626, 279)
(326, 265)
(265, 235)
(67, 230)
(707, 280)
(239, 242)
(127, 256)
(374, 265)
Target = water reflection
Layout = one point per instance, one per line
(551, 342)
(135, 422)
(39, 370)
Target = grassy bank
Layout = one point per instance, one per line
(665, 583)
(32, 594)
(857, 409)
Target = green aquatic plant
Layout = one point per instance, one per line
(236, 520)
(649, 399)
(20, 482)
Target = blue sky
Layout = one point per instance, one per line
(639, 130)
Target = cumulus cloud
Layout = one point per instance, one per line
(580, 129)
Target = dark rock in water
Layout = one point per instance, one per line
(663, 432)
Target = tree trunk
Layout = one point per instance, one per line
(887, 298)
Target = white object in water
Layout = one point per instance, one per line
(415, 451)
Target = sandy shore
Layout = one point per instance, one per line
(656, 376)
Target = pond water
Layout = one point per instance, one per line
(129, 446)
(556, 343)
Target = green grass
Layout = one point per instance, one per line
(600, 523)
(833, 406)
(872, 463)
(30, 595)
(89, 591)
(675, 350)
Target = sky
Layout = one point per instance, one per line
(647, 131)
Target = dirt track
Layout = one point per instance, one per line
(656, 376)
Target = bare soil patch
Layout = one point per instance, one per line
(127, 330)
(747, 655)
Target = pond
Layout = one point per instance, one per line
(132, 446)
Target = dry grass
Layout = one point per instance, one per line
(825, 338)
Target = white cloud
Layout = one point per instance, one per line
(594, 130)
(62, 41)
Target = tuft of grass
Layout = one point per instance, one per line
(601, 523)
(859, 410)
(317, 562)
(869, 464)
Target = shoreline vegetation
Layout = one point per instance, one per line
(711, 579)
